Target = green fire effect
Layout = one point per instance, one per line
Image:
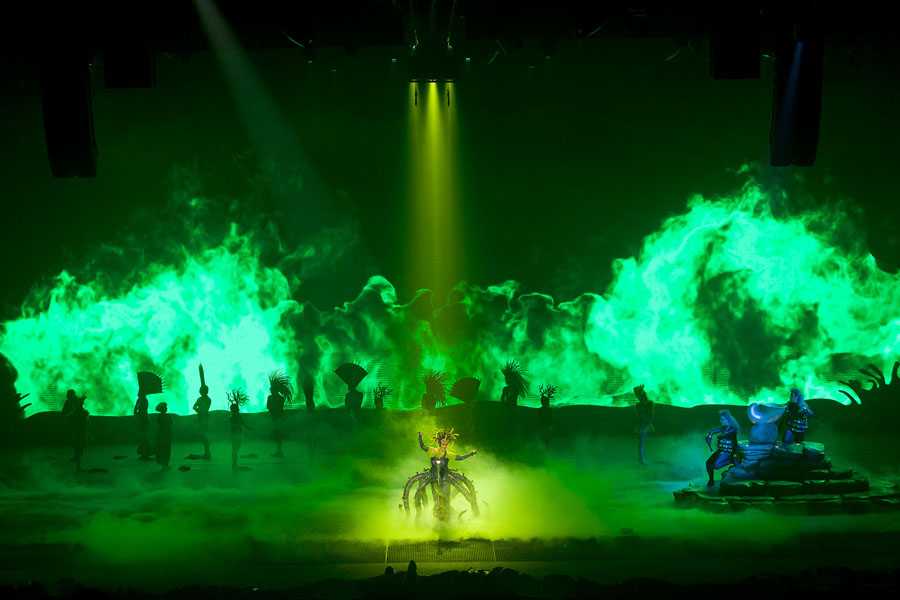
(731, 301)
(220, 306)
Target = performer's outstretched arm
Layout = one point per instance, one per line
(466, 455)
(422, 443)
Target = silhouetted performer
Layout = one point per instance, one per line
(280, 393)
(381, 392)
(546, 415)
(78, 419)
(352, 375)
(644, 409)
(142, 413)
(201, 407)
(794, 421)
(435, 393)
(308, 392)
(353, 401)
(516, 384)
(236, 398)
(726, 445)
(70, 403)
(148, 383)
(163, 435)
(12, 411)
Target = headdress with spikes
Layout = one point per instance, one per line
(281, 385)
(238, 397)
(515, 378)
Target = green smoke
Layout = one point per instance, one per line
(220, 306)
(736, 299)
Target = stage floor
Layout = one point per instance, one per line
(304, 518)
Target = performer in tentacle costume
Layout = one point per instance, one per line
(440, 478)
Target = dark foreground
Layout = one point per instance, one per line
(565, 515)
(507, 583)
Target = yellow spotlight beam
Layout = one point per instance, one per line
(436, 247)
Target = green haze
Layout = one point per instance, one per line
(735, 299)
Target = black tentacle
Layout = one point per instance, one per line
(421, 495)
(409, 484)
(466, 488)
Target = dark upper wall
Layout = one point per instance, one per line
(563, 167)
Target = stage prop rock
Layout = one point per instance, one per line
(791, 478)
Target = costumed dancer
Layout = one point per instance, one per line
(516, 384)
(794, 421)
(236, 399)
(440, 478)
(148, 383)
(70, 403)
(78, 419)
(201, 407)
(381, 392)
(435, 394)
(163, 435)
(352, 375)
(547, 392)
(726, 445)
(644, 410)
(280, 393)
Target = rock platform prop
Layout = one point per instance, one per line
(794, 478)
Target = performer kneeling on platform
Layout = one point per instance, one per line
(726, 445)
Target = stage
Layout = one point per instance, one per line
(582, 510)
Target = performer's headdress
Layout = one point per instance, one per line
(640, 393)
(237, 398)
(203, 387)
(732, 422)
(149, 383)
(281, 385)
(515, 377)
(441, 434)
(548, 390)
(434, 386)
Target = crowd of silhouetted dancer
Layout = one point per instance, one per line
(792, 417)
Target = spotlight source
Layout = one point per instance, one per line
(797, 105)
(67, 106)
(432, 55)
(429, 65)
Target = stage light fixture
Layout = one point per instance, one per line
(797, 104)
(432, 56)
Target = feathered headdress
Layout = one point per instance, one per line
(238, 397)
(434, 383)
(442, 434)
(149, 383)
(281, 385)
(515, 378)
(434, 386)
